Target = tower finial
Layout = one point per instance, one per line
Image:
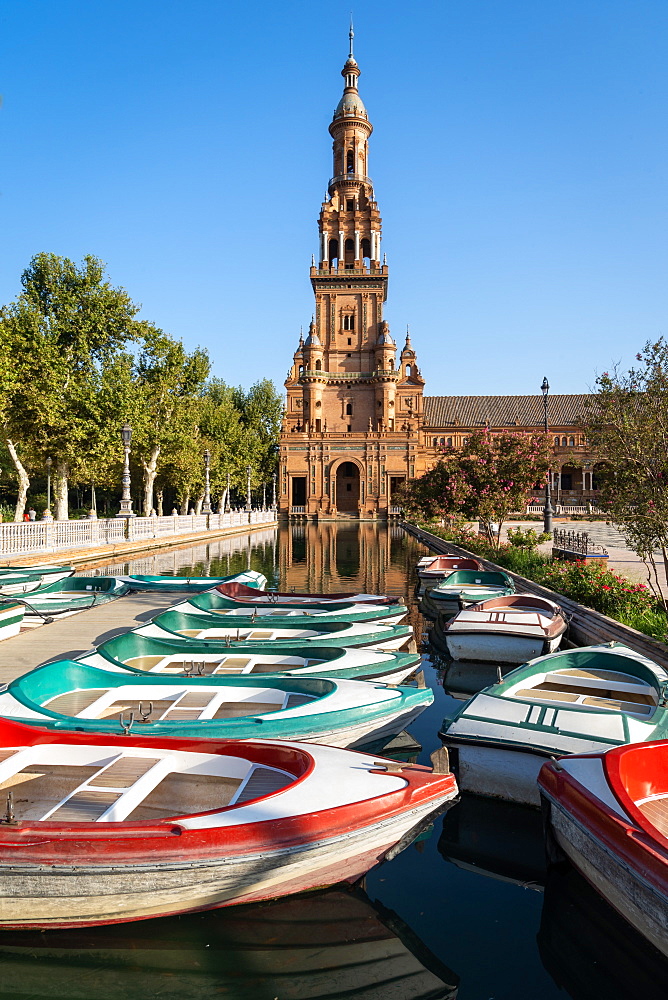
(351, 35)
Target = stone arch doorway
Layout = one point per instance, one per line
(348, 488)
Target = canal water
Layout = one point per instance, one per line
(466, 912)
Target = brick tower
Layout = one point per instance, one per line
(351, 432)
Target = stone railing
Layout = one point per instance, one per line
(36, 537)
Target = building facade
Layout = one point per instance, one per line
(357, 424)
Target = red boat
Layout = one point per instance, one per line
(101, 830)
(608, 813)
(249, 595)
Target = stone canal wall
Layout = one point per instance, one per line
(586, 626)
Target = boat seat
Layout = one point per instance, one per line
(295, 700)
(610, 675)
(143, 788)
(656, 811)
(145, 662)
(238, 709)
(261, 635)
(73, 702)
(262, 781)
(538, 694)
(232, 665)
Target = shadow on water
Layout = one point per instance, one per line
(487, 928)
(332, 944)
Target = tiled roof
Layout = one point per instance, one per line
(503, 411)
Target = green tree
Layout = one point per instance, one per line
(627, 424)
(261, 410)
(167, 387)
(65, 327)
(485, 480)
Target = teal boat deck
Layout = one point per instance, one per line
(68, 637)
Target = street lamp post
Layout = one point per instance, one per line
(206, 506)
(264, 496)
(273, 493)
(547, 509)
(248, 488)
(126, 500)
(48, 463)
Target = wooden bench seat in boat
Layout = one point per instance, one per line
(605, 689)
(655, 809)
(208, 703)
(130, 787)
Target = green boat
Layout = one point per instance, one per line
(26, 579)
(139, 653)
(575, 701)
(46, 573)
(69, 695)
(75, 593)
(376, 634)
(193, 584)
(465, 587)
(208, 604)
(11, 617)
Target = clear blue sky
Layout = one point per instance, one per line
(518, 157)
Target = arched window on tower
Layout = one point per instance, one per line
(318, 365)
(350, 80)
(349, 249)
(350, 162)
(349, 321)
(349, 409)
(408, 371)
(366, 249)
(333, 250)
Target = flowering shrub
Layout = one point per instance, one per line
(593, 586)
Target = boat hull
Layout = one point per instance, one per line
(497, 773)
(11, 616)
(641, 902)
(494, 648)
(73, 895)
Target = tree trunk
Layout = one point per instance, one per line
(185, 503)
(150, 472)
(23, 481)
(198, 505)
(60, 492)
(159, 495)
(223, 501)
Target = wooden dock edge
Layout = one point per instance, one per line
(104, 553)
(586, 627)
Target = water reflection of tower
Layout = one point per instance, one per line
(326, 557)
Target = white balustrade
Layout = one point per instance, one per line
(30, 537)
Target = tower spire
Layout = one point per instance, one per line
(351, 35)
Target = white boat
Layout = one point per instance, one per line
(608, 814)
(574, 701)
(107, 829)
(464, 587)
(377, 635)
(511, 629)
(431, 569)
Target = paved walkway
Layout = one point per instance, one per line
(622, 559)
(68, 637)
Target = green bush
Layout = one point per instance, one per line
(527, 539)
